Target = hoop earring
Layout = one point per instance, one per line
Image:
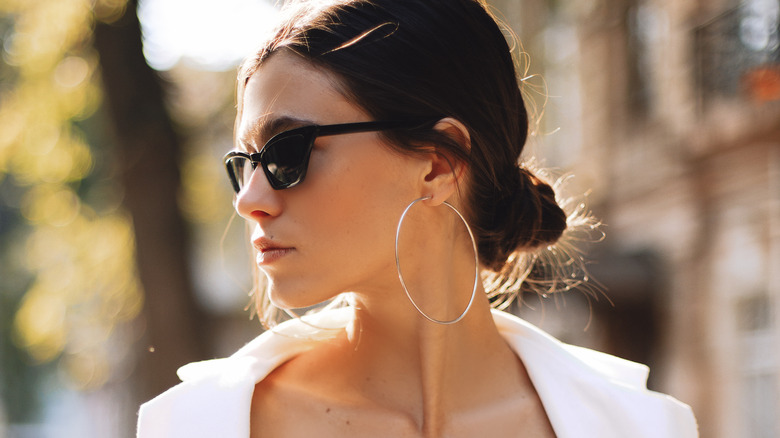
(476, 263)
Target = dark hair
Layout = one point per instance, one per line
(429, 59)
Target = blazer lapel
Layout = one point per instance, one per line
(592, 394)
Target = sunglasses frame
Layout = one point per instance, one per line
(309, 134)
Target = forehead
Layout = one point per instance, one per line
(287, 87)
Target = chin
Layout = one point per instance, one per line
(290, 299)
(285, 303)
(296, 298)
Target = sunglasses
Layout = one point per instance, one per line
(285, 157)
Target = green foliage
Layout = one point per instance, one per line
(72, 280)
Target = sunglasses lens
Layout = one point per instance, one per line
(240, 170)
(285, 159)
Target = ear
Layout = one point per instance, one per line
(446, 172)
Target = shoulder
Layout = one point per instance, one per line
(587, 391)
(215, 396)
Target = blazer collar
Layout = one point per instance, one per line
(585, 393)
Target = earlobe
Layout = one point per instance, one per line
(446, 170)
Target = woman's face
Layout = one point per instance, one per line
(335, 231)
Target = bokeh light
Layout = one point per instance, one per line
(79, 257)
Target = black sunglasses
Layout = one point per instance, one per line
(285, 157)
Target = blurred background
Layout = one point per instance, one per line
(121, 259)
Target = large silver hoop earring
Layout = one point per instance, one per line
(476, 263)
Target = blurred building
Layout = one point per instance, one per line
(669, 110)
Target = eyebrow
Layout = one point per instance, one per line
(264, 128)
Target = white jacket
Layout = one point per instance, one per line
(585, 393)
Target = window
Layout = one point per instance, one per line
(738, 53)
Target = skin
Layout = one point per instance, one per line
(390, 372)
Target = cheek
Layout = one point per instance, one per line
(358, 202)
(351, 211)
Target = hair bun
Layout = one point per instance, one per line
(526, 217)
(552, 219)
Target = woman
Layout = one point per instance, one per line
(376, 160)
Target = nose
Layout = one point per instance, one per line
(257, 199)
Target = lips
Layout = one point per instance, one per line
(263, 244)
(269, 251)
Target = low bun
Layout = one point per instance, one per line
(552, 220)
(525, 216)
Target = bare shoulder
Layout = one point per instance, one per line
(514, 410)
(311, 395)
(522, 415)
(283, 411)
(285, 404)
(272, 400)
(283, 399)
(282, 407)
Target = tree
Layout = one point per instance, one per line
(71, 255)
(149, 151)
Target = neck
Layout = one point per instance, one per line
(426, 370)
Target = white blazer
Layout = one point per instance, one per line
(585, 393)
